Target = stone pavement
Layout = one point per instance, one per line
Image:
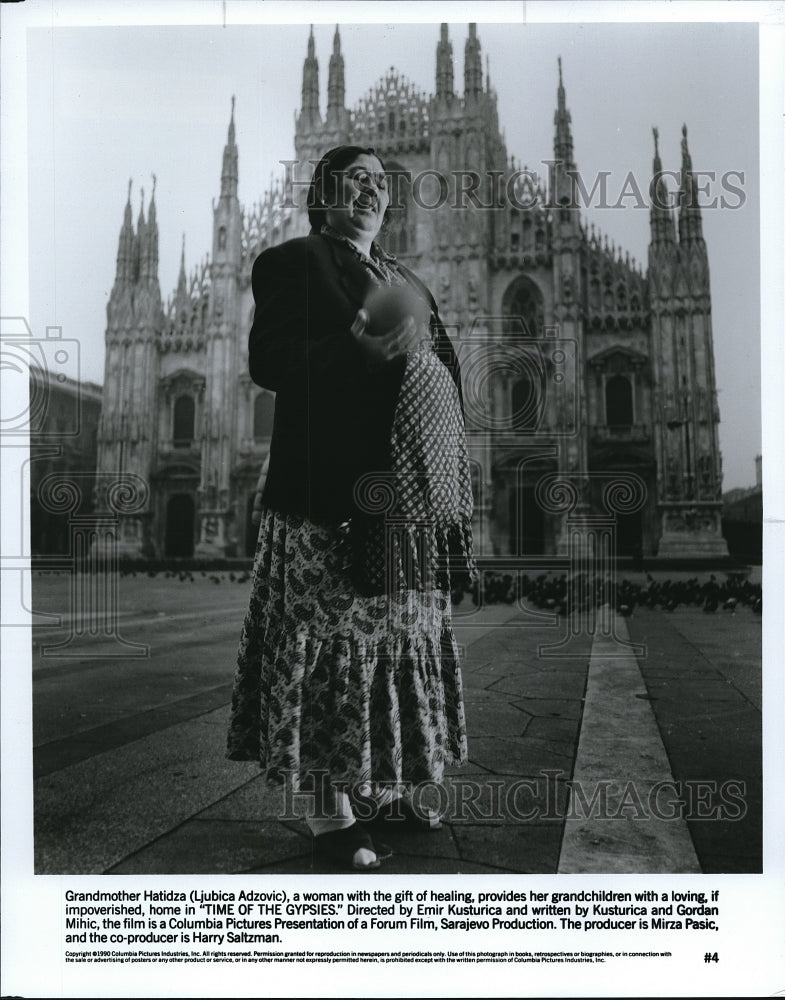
(584, 738)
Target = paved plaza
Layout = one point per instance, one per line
(606, 742)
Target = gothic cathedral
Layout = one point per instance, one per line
(584, 376)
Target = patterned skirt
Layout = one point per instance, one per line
(364, 688)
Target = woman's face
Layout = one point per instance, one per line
(360, 199)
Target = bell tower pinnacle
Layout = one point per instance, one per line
(562, 170)
(336, 127)
(222, 351)
(445, 83)
(690, 226)
(472, 66)
(336, 88)
(309, 117)
(687, 415)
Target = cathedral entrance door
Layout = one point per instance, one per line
(180, 516)
(629, 534)
(527, 522)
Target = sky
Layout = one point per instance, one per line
(107, 104)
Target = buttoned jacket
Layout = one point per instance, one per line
(333, 415)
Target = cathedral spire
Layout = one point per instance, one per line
(125, 244)
(181, 280)
(139, 242)
(562, 146)
(661, 218)
(309, 111)
(472, 65)
(563, 169)
(181, 298)
(336, 88)
(690, 226)
(148, 242)
(229, 169)
(445, 84)
(152, 217)
(226, 211)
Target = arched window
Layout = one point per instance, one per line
(526, 404)
(618, 402)
(523, 301)
(222, 238)
(263, 410)
(595, 296)
(183, 433)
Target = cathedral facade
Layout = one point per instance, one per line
(585, 375)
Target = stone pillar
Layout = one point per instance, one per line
(591, 543)
(93, 618)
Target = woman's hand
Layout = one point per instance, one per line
(403, 338)
(256, 510)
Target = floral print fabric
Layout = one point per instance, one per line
(365, 688)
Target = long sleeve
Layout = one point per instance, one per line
(294, 334)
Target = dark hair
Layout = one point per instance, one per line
(333, 161)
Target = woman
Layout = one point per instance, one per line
(348, 680)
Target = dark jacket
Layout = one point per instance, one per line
(333, 417)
